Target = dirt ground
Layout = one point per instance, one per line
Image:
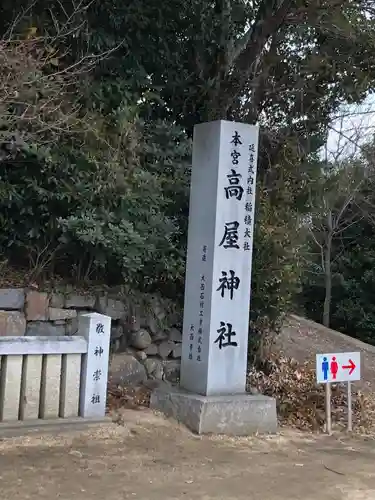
(149, 457)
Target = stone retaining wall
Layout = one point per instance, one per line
(145, 341)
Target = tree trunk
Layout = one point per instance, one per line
(327, 282)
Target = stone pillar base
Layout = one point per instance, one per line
(236, 414)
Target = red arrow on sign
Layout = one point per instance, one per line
(351, 367)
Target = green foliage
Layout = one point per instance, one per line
(94, 183)
(97, 217)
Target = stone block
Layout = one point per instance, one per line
(57, 300)
(125, 369)
(75, 301)
(140, 355)
(175, 335)
(134, 320)
(154, 368)
(158, 310)
(12, 298)
(31, 396)
(172, 368)
(117, 331)
(44, 329)
(160, 336)
(71, 327)
(11, 381)
(57, 314)
(165, 348)
(151, 350)
(152, 324)
(115, 309)
(70, 385)
(140, 339)
(101, 304)
(72, 324)
(12, 323)
(177, 351)
(37, 306)
(50, 403)
(236, 415)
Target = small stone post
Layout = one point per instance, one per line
(96, 328)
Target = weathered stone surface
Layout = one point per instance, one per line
(165, 348)
(115, 345)
(71, 327)
(140, 339)
(123, 342)
(158, 310)
(174, 317)
(57, 300)
(140, 355)
(50, 405)
(56, 314)
(254, 390)
(101, 304)
(172, 368)
(36, 306)
(44, 329)
(133, 321)
(237, 414)
(125, 369)
(72, 324)
(117, 331)
(12, 323)
(12, 298)
(30, 403)
(160, 336)
(70, 385)
(151, 350)
(175, 335)
(79, 301)
(154, 368)
(115, 309)
(177, 351)
(153, 383)
(12, 385)
(152, 324)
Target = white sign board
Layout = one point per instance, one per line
(338, 367)
(97, 330)
(219, 257)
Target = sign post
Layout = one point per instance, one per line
(328, 409)
(219, 256)
(335, 368)
(212, 394)
(350, 410)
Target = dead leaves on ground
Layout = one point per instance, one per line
(300, 401)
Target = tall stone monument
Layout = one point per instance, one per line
(211, 396)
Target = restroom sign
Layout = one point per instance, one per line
(338, 367)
